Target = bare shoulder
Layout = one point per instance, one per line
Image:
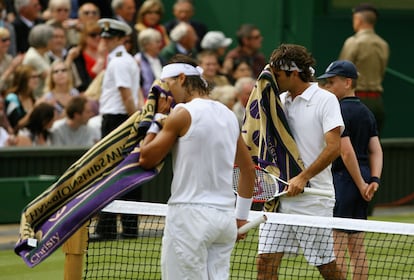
(179, 120)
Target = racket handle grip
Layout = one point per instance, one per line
(252, 224)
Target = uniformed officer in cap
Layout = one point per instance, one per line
(119, 98)
(118, 101)
(113, 28)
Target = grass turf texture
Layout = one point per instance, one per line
(13, 268)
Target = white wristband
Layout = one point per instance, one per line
(243, 207)
(154, 128)
(159, 116)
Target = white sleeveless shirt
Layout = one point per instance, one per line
(203, 158)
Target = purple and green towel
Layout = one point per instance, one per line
(108, 170)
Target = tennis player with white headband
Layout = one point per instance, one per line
(314, 118)
(201, 223)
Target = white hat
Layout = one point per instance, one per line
(112, 28)
(214, 40)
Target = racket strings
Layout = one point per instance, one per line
(265, 186)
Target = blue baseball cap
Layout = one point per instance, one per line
(342, 68)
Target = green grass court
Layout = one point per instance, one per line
(13, 268)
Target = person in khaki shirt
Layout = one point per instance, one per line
(369, 52)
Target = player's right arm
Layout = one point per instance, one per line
(245, 185)
(247, 169)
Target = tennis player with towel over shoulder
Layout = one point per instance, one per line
(201, 222)
(315, 121)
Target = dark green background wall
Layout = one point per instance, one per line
(322, 26)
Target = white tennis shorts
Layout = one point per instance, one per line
(315, 243)
(197, 242)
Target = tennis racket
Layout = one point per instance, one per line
(252, 224)
(267, 187)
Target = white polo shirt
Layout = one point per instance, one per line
(311, 115)
(122, 71)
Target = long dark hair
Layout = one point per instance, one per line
(41, 115)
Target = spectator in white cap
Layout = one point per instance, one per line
(217, 42)
(118, 101)
(214, 40)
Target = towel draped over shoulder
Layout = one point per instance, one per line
(266, 131)
(106, 171)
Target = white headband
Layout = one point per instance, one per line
(294, 67)
(175, 69)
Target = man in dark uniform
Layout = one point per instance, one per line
(356, 172)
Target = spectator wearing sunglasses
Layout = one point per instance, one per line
(87, 60)
(59, 89)
(88, 12)
(8, 64)
(249, 44)
(6, 24)
(149, 16)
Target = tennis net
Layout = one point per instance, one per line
(389, 247)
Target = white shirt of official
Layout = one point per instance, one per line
(311, 115)
(122, 71)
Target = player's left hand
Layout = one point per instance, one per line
(164, 103)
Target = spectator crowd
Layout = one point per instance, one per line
(53, 59)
